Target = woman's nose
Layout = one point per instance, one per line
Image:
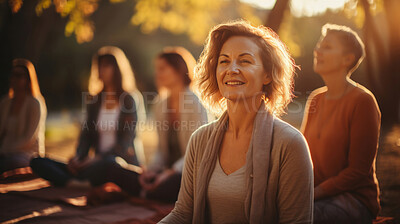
(234, 68)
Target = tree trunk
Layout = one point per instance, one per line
(385, 89)
(275, 16)
(392, 8)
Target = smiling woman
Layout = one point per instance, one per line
(272, 56)
(248, 166)
(241, 54)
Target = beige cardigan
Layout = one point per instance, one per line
(287, 194)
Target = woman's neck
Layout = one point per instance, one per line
(109, 89)
(337, 85)
(241, 116)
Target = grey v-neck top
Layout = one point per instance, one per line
(226, 196)
(290, 189)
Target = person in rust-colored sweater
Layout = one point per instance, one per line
(341, 124)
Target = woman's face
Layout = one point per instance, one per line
(329, 56)
(106, 72)
(18, 79)
(166, 75)
(240, 72)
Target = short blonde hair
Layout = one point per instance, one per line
(276, 59)
(350, 41)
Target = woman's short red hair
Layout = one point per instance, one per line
(276, 59)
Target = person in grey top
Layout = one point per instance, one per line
(248, 166)
(177, 114)
(22, 118)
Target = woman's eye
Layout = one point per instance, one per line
(326, 47)
(245, 61)
(223, 61)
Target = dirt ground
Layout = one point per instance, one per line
(388, 171)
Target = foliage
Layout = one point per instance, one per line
(354, 10)
(78, 13)
(191, 17)
(15, 5)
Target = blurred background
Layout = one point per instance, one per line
(60, 37)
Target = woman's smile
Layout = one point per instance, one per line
(240, 71)
(234, 83)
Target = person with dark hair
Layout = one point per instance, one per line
(113, 110)
(22, 118)
(341, 124)
(178, 113)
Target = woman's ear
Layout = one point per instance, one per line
(349, 59)
(267, 79)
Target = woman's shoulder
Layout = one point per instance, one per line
(285, 134)
(5, 102)
(317, 93)
(363, 98)
(128, 96)
(91, 101)
(360, 92)
(188, 91)
(188, 97)
(191, 98)
(204, 131)
(5, 99)
(198, 140)
(32, 101)
(285, 130)
(128, 99)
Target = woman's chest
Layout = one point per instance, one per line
(232, 153)
(330, 121)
